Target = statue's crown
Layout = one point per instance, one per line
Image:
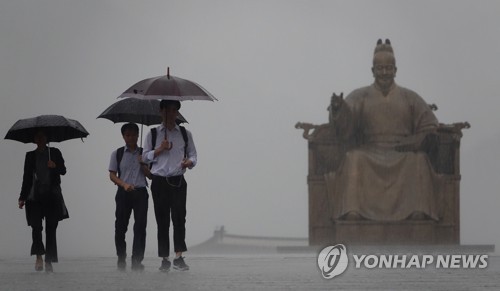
(383, 47)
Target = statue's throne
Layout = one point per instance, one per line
(325, 155)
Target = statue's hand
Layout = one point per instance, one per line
(407, 148)
(411, 144)
(424, 141)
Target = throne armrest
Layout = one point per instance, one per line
(445, 155)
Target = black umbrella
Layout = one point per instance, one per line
(142, 111)
(168, 87)
(57, 128)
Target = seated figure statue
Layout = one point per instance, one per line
(386, 174)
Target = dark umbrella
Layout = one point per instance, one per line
(168, 87)
(142, 111)
(57, 128)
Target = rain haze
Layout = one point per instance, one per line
(270, 64)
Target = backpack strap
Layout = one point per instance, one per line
(119, 156)
(185, 137)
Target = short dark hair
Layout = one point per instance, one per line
(130, 126)
(166, 103)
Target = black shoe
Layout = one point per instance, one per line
(121, 264)
(165, 265)
(48, 267)
(180, 265)
(137, 266)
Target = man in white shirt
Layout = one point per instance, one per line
(170, 151)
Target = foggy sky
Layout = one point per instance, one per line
(270, 63)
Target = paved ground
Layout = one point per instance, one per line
(239, 272)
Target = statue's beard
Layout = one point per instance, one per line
(384, 84)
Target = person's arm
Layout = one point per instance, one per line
(144, 167)
(27, 181)
(113, 176)
(113, 173)
(57, 162)
(148, 154)
(192, 156)
(165, 145)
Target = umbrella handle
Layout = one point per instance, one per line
(141, 133)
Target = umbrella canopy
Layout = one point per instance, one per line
(168, 87)
(142, 111)
(57, 128)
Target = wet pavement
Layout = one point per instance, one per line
(239, 272)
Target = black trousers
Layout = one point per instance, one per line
(126, 202)
(40, 210)
(169, 197)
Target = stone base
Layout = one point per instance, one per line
(366, 232)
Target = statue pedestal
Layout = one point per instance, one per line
(391, 233)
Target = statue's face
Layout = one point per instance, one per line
(384, 69)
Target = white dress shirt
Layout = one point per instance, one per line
(168, 162)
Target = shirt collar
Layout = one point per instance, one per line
(128, 149)
(163, 127)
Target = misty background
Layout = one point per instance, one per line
(270, 63)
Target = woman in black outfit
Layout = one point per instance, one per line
(41, 193)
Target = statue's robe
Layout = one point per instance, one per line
(374, 180)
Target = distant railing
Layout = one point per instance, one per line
(222, 238)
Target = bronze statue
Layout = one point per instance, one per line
(383, 170)
(386, 176)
